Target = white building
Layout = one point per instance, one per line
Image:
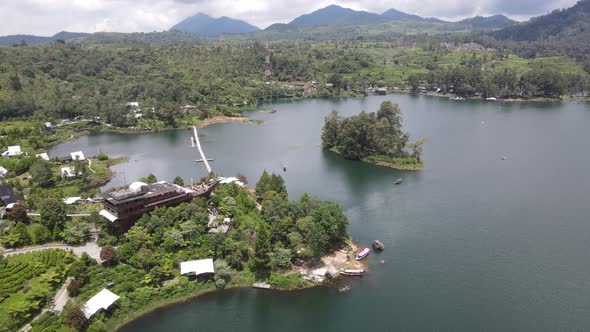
(43, 155)
(68, 172)
(101, 301)
(3, 172)
(78, 155)
(12, 151)
(133, 104)
(197, 267)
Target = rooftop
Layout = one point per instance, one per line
(141, 190)
(197, 267)
(103, 300)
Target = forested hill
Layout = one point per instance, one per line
(490, 22)
(334, 14)
(38, 40)
(561, 32)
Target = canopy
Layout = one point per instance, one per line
(103, 300)
(197, 267)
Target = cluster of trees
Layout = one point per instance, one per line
(370, 134)
(477, 76)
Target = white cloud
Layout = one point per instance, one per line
(46, 17)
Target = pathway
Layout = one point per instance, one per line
(56, 305)
(37, 214)
(203, 158)
(91, 248)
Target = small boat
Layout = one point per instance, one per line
(284, 168)
(344, 289)
(350, 272)
(398, 181)
(457, 98)
(363, 254)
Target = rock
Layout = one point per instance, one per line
(378, 245)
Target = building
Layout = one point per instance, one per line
(68, 172)
(101, 301)
(78, 155)
(12, 151)
(3, 172)
(7, 195)
(197, 267)
(43, 155)
(126, 205)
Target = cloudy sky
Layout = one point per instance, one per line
(47, 17)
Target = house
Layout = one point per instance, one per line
(231, 179)
(197, 267)
(43, 155)
(12, 151)
(3, 172)
(101, 301)
(68, 172)
(78, 155)
(7, 195)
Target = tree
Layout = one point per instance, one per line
(179, 181)
(75, 318)
(108, 254)
(53, 213)
(222, 273)
(151, 178)
(21, 230)
(39, 233)
(260, 263)
(19, 213)
(41, 173)
(331, 130)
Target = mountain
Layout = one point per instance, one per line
(490, 22)
(206, 25)
(334, 14)
(393, 14)
(573, 23)
(38, 40)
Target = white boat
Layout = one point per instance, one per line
(364, 253)
(491, 99)
(351, 272)
(457, 98)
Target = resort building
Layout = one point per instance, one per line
(197, 267)
(126, 205)
(67, 172)
(101, 301)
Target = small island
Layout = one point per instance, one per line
(376, 138)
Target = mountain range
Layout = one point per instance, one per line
(37, 40)
(206, 25)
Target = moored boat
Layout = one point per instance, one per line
(398, 181)
(351, 272)
(363, 254)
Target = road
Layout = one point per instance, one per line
(91, 248)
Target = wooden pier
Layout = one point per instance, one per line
(203, 158)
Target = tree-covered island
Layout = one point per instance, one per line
(376, 138)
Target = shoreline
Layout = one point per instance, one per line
(410, 167)
(502, 100)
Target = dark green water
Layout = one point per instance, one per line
(473, 242)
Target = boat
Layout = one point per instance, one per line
(363, 254)
(457, 98)
(398, 181)
(351, 272)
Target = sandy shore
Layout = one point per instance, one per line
(225, 119)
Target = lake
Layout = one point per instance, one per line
(492, 235)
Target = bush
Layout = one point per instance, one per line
(102, 156)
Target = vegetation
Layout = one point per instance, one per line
(261, 244)
(373, 137)
(27, 281)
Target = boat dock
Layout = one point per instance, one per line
(204, 159)
(261, 285)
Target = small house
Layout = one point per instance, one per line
(68, 172)
(101, 301)
(197, 267)
(43, 155)
(3, 172)
(12, 151)
(78, 155)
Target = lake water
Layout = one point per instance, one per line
(473, 242)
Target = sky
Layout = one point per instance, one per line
(47, 17)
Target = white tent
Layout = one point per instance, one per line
(78, 155)
(103, 300)
(111, 217)
(12, 151)
(197, 267)
(3, 172)
(71, 200)
(43, 155)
